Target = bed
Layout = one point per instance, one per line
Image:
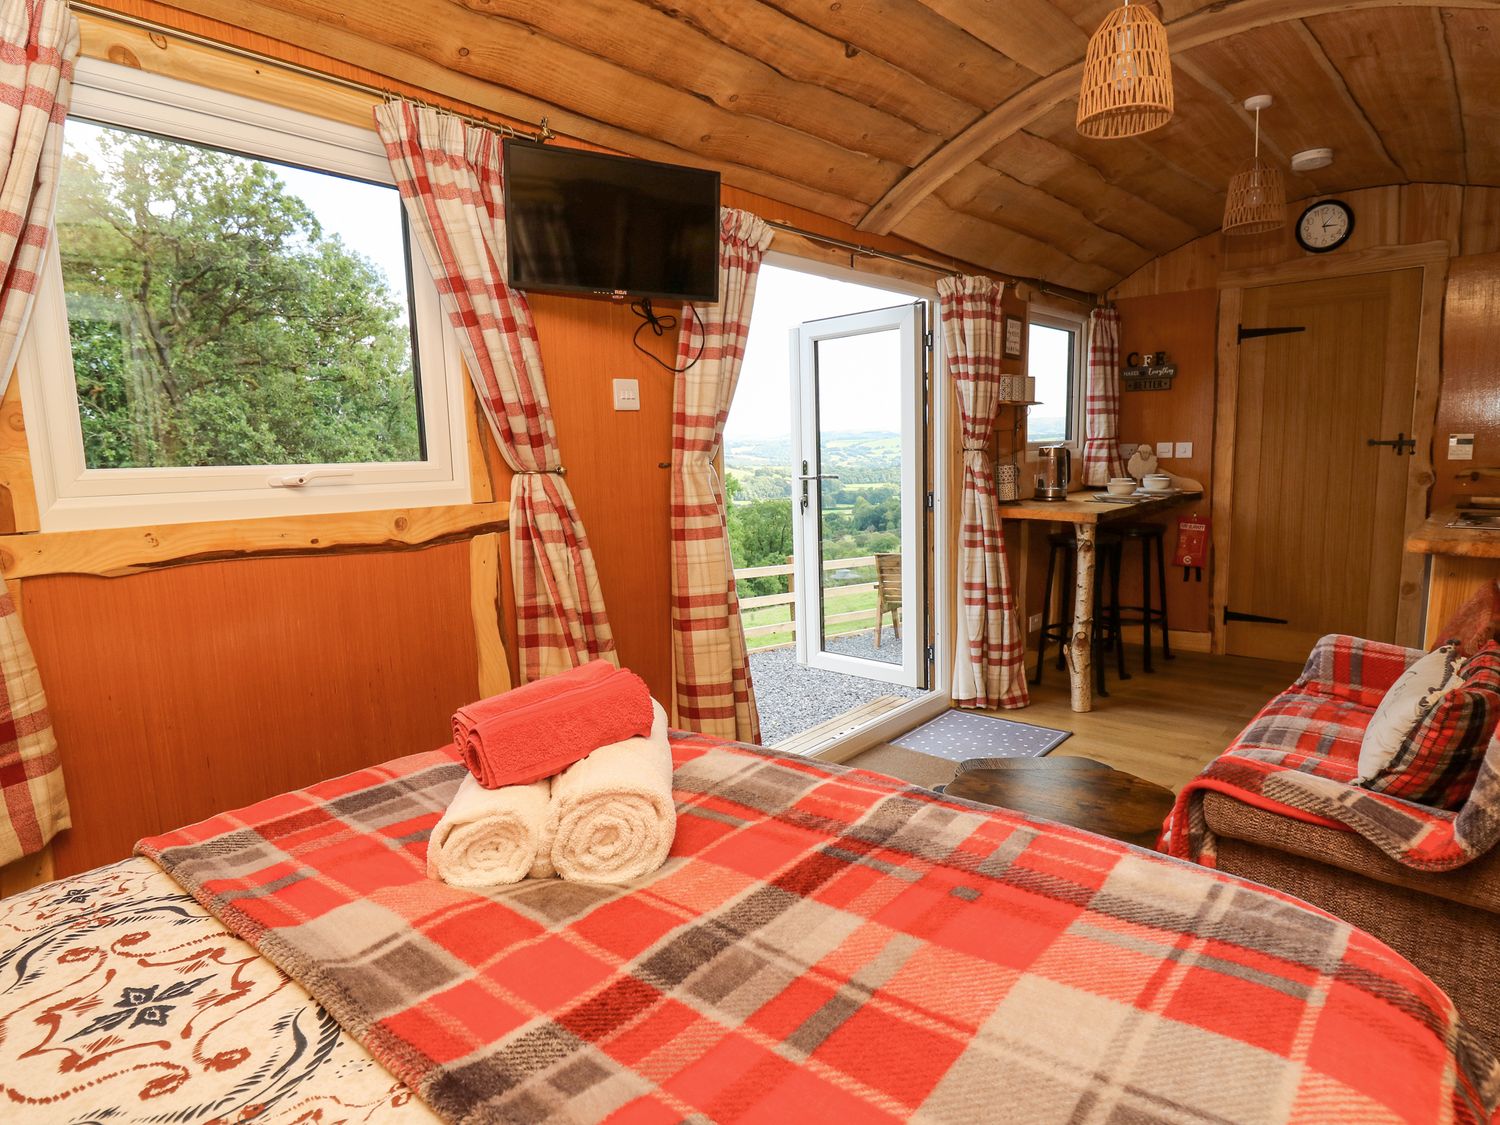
(823, 944)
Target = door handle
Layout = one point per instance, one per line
(805, 476)
(1400, 443)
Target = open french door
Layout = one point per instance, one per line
(859, 494)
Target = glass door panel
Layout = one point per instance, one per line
(861, 556)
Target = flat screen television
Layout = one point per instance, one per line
(584, 222)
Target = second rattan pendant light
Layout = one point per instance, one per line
(1257, 197)
(1127, 76)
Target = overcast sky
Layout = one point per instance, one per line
(785, 298)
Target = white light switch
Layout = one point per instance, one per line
(1163, 449)
(1460, 447)
(627, 394)
(1184, 449)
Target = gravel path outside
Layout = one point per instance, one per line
(792, 697)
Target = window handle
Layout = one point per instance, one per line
(298, 480)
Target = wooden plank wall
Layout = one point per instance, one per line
(1163, 298)
(1470, 399)
(179, 693)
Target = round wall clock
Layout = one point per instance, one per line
(1325, 225)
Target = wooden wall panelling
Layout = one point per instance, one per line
(485, 579)
(1479, 225)
(612, 458)
(119, 551)
(1231, 303)
(18, 510)
(1182, 324)
(1470, 401)
(179, 693)
(1420, 475)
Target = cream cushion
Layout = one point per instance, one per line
(1404, 706)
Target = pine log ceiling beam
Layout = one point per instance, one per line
(660, 49)
(1208, 25)
(578, 90)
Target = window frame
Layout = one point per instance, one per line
(1077, 391)
(71, 496)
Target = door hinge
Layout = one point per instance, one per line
(1236, 615)
(931, 502)
(1257, 333)
(1400, 443)
(927, 340)
(931, 654)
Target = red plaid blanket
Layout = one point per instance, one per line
(829, 945)
(1300, 755)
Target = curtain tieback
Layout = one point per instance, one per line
(559, 471)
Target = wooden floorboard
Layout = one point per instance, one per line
(1164, 727)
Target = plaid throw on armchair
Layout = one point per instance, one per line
(1298, 758)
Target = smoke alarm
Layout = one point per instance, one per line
(1311, 159)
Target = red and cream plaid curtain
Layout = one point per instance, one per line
(38, 44)
(989, 665)
(1101, 447)
(711, 663)
(449, 174)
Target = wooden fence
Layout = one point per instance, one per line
(790, 598)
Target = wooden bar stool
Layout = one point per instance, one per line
(1063, 546)
(1152, 538)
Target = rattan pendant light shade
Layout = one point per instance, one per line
(1127, 76)
(1256, 202)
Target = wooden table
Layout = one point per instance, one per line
(1459, 561)
(1077, 791)
(1086, 515)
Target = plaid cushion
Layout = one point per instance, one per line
(829, 945)
(1299, 757)
(1438, 763)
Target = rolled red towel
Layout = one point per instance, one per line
(540, 729)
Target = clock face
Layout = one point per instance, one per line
(1324, 226)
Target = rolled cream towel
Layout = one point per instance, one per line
(613, 819)
(489, 836)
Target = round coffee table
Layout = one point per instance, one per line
(1077, 791)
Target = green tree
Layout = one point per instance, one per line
(214, 323)
(760, 534)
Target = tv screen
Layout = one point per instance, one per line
(584, 222)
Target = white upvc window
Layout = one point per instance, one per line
(233, 320)
(1056, 347)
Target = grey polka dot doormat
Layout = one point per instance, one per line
(959, 735)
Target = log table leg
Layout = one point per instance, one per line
(1081, 644)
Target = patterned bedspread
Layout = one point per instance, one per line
(123, 1000)
(829, 945)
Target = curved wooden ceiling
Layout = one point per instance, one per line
(950, 122)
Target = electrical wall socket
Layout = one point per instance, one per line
(1034, 622)
(627, 394)
(1184, 449)
(1163, 449)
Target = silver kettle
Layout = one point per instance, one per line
(1055, 471)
